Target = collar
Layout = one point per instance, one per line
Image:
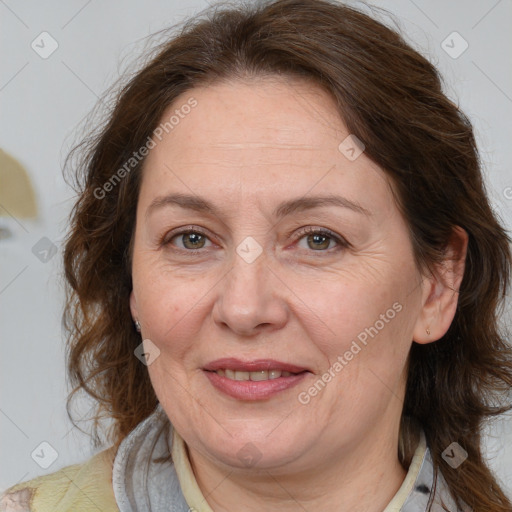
(140, 483)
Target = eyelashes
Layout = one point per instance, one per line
(198, 239)
(322, 233)
(195, 232)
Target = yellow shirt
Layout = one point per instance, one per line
(80, 487)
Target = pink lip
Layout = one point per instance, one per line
(252, 366)
(253, 390)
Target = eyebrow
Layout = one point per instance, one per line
(300, 204)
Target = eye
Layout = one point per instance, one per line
(321, 239)
(192, 240)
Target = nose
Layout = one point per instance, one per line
(251, 298)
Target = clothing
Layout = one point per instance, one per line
(130, 480)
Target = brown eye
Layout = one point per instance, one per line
(321, 240)
(193, 240)
(318, 241)
(188, 241)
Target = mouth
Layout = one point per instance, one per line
(258, 369)
(260, 375)
(253, 380)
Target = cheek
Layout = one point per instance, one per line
(164, 293)
(171, 309)
(338, 310)
(365, 346)
(363, 328)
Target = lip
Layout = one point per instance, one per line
(253, 390)
(252, 366)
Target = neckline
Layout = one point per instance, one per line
(140, 483)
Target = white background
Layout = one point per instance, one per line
(43, 100)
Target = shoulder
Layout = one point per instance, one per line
(80, 487)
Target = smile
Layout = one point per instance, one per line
(260, 375)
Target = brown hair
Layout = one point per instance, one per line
(391, 98)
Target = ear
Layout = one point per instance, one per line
(133, 306)
(441, 291)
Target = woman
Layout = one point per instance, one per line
(284, 279)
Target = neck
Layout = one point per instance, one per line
(362, 479)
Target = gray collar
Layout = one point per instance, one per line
(140, 484)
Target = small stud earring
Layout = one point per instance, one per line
(428, 331)
(137, 326)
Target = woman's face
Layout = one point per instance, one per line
(242, 279)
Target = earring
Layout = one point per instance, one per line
(428, 331)
(137, 326)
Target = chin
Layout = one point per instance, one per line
(257, 447)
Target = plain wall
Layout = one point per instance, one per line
(43, 100)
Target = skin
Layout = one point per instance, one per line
(246, 147)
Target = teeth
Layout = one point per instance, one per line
(255, 376)
(261, 375)
(230, 374)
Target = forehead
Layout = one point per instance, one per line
(252, 137)
(262, 113)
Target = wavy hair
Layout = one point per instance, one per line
(390, 97)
